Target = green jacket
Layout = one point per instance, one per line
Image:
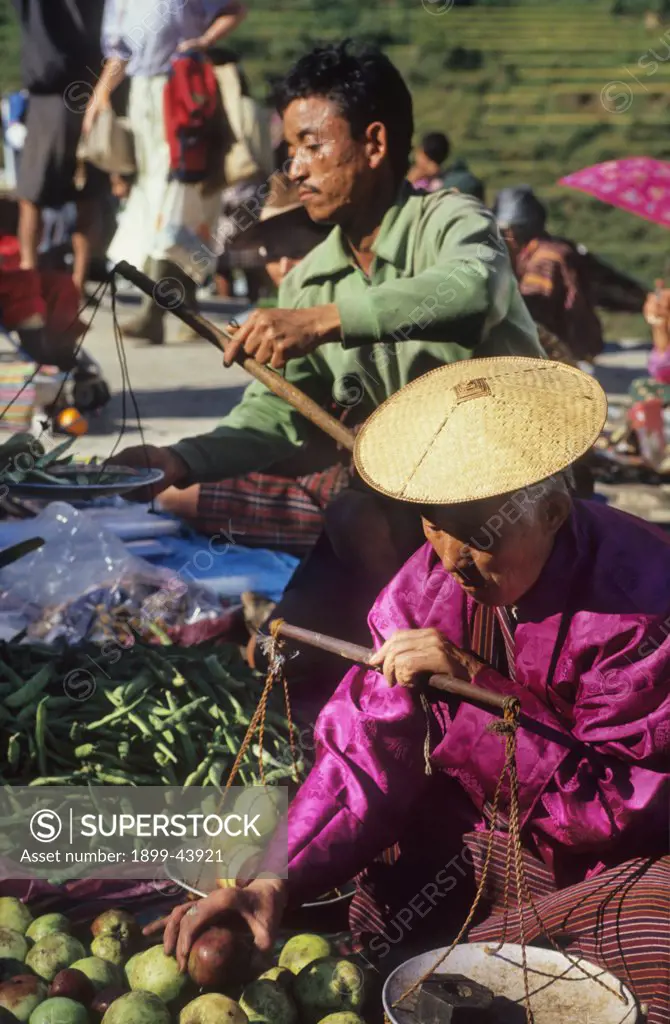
(459, 176)
(441, 288)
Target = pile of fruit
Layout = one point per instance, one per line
(149, 716)
(48, 975)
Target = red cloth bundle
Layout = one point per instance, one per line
(191, 102)
(20, 297)
(49, 294)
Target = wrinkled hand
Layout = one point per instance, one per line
(175, 470)
(191, 44)
(276, 335)
(411, 652)
(261, 903)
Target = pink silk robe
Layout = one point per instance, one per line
(592, 669)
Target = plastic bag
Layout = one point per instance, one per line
(83, 584)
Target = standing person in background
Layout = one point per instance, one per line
(248, 164)
(167, 223)
(643, 432)
(551, 273)
(60, 61)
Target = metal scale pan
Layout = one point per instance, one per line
(559, 991)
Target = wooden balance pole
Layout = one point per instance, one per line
(273, 381)
(362, 656)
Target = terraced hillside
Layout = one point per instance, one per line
(528, 91)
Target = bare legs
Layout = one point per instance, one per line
(83, 237)
(30, 231)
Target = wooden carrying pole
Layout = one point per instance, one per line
(362, 656)
(273, 381)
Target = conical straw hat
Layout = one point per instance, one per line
(480, 428)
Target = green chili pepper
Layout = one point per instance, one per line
(230, 743)
(115, 715)
(56, 780)
(220, 673)
(40, 727)
(166, 752)
(14, 750)
(141, 725)
(200, 772)
(54, 454)
(30, 689)
(85, 750)
(180, 716)
(205, 687)
(187, 744)
(141, 684)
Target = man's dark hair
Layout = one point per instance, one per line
(366, 87)
(436, 146)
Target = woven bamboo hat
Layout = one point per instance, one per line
(480, 428)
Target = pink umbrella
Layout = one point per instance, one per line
(638, 184)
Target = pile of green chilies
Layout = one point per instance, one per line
(156, 716)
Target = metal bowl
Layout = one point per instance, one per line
(559, 991)
(127, 480)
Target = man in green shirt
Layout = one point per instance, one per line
(404, 283)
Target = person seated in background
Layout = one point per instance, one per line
(459, 176)
(643, 432)
(551, 274)
(427, 172)
(657, 314)
(525, 592)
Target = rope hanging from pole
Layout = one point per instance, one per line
(507, 729)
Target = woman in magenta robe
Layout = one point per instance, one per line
(564, 605)
(591, 664)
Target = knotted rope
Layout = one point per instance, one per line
(273, 647)
(507, 728)
(276, 661)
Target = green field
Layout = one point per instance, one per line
(527, 91)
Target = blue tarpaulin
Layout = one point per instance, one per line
(228, 568)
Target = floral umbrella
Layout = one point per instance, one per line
(638, 184)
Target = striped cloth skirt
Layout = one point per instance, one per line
(619, 919)
(268, 511)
